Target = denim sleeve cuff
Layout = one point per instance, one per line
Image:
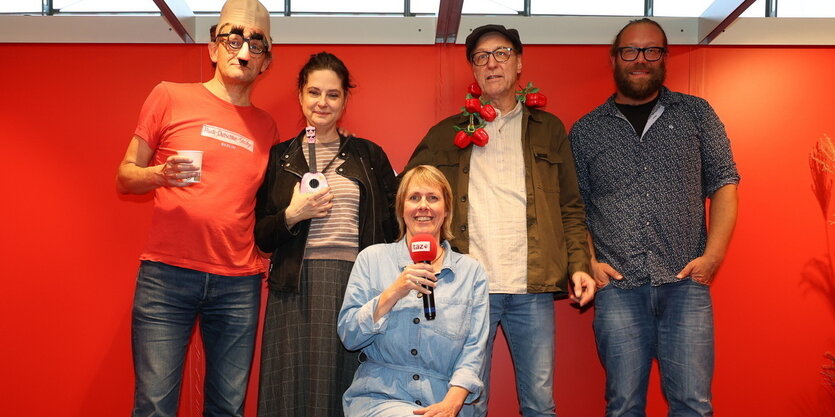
(365, 317)
(467, 379)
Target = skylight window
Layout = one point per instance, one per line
(105, 6)
(806, 8)
(690, 8)
(588, 7)
(21, 6)
(342, 6)
(695, 8)
(755, 10)
(214, 6)
(675, 8)
(493, 7)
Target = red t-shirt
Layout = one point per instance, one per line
(207, 226)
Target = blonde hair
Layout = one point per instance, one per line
(431, 176)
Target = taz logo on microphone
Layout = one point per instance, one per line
(421, 246)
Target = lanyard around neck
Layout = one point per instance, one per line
(310, 134)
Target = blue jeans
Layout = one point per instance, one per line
(671, 322)
(528, 324)
(166, 304)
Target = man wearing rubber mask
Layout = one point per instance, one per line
(201, 148)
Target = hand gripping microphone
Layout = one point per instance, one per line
(423, 249)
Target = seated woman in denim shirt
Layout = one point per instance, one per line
(415, 365)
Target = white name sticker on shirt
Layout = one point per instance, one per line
(228, 136)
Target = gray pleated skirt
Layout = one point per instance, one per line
(304, 367)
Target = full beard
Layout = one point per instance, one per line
(640, 89)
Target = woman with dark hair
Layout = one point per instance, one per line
(314, 234)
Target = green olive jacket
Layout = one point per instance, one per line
(557, 242)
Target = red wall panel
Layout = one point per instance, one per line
(70, 243)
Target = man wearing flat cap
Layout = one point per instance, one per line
(200, 259)
(518, 211)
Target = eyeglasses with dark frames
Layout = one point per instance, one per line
(651, 54)
(234, 42)
(501, 54)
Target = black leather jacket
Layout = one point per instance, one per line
(363, 161)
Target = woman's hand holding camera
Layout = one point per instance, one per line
(305, 206)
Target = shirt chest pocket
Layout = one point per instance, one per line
(680, 149)
(547, 163)
(453, 317)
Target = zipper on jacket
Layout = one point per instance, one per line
(373, 205)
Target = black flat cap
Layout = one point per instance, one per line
(511, 34)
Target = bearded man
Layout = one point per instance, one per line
(646, 161)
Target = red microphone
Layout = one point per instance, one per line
(423, 249)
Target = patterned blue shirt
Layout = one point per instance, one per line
(645, 194)
(412, 362)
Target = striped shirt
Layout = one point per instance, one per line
(498, 205)
(335, 236)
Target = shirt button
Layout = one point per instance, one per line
(415, 377)
(463, 227)
(466, 170)
(415, 320)
(647, 223)
(413, 352)
(463, 199)
(418, 402)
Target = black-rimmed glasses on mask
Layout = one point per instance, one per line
(234, 42)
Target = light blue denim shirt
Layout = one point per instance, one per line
(412, 362)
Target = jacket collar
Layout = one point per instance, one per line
(665, 98)
(536, 116)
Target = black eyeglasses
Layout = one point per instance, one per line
(234, 42)
(653, 53)
(501, 54)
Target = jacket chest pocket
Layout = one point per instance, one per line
(546, 164)
(448, 163)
